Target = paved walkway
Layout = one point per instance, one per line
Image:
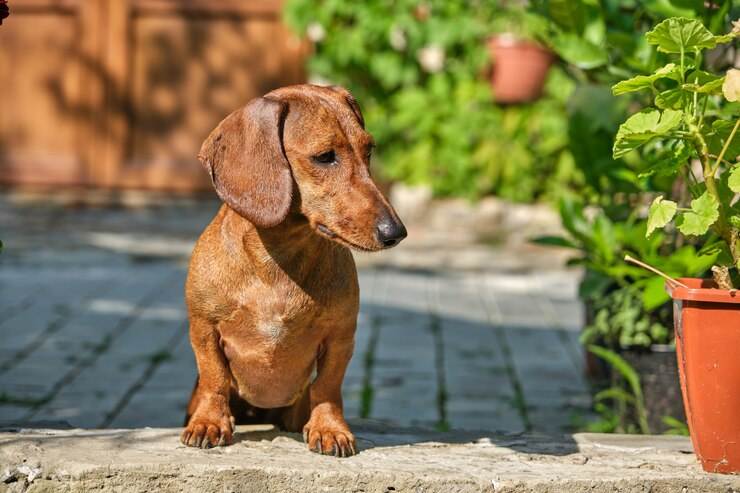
(94, 331)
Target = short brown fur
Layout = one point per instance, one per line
(272, 289)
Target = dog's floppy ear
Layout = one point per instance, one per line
(244, 156)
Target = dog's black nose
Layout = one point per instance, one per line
(390, 231)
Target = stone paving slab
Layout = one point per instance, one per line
(390, 460)
(94, 333)
(431, 349)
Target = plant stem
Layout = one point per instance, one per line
(729, 234)
(696, 100)
(726, 146)
(711, 183)
(725, 161)
(629, 258)
(703, 111)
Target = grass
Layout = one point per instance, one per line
(367, 395)
(160, 357)
(439, 363)
(8, 399)
(518, 400)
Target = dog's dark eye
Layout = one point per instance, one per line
(325, 158)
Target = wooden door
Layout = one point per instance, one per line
(121, 93)
(45, 88)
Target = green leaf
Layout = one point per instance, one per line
(721, 130)
(631, 377)
(679, 34)
(669, 161)
(661, 212)
(579, 52)
(574, 220)
(688, 4)
(725, 38)
(558, 241)
(734, 180)
(704, 82)
(712, 87)
(675, 426)
(639, 82)
(672, 99)
(642, 127)
(654, 294)
(614, 394)
(569, 14)
(704, 213)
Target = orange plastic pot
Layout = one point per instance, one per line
(519, 69)
(707, 326)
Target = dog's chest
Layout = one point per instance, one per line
(271, 348)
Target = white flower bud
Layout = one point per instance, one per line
(731, 86)
(315, 32)
(397, 39)
(431, 58)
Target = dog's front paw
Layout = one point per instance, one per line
(330, 439)
(206, 432)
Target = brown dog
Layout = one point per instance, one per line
(272, 288)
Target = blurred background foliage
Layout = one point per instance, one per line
(419, 70)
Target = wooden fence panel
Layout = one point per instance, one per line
(121, 93)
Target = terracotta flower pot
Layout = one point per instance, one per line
(707, 325)
(519, 69)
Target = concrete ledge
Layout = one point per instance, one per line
(149, 460)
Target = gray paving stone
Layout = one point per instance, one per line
(53, 363)
(405, 292)
(461, 297)
(94, 394)
(354, 380)
(548, 378)
(155, 408)
(499, 333)
(405, 381)
(15, 298)
(568, 315)
(480, 393)
(12, 413)
(163, 398)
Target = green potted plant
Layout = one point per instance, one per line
(628, 313)
(692, 127)
(520, 62)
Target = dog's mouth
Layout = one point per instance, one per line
(328, 233)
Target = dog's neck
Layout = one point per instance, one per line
(291, 248)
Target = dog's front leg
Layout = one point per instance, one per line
(210, 423)
(326, 431)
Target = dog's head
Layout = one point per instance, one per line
(303, 145)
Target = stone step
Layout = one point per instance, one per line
(390, 460)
